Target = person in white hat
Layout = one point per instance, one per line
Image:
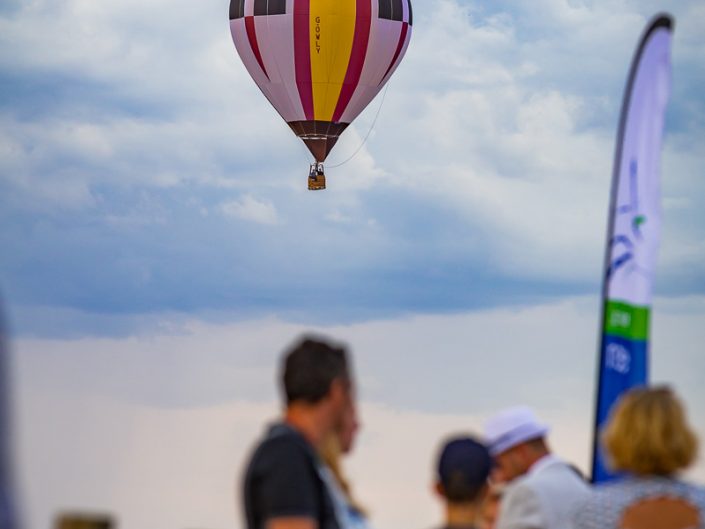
(542, 489)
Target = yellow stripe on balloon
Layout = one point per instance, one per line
(332, 33)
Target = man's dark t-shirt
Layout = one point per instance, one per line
(283, 480)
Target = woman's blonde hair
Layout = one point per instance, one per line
(331, 453)
(648, 434)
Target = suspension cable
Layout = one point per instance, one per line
(374, 121)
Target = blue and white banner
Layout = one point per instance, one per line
(634, 227)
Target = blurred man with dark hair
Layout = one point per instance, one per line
(283, 487)
(463, 468)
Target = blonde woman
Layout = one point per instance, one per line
(348, 511)
(648, 439)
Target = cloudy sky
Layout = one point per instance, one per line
(160, 247)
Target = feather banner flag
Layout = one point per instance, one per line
(633, 229)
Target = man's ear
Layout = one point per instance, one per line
(338, 390)
(439, 489)
(484, 492)
(525, 451)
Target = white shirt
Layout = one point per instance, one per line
(543, 498)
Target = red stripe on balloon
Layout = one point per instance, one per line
(302, 55)
(400, 46)
(363, 21)
(252, 37)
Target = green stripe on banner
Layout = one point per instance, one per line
(627, 321)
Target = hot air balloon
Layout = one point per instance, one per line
(320, 62)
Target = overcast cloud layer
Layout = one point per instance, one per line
(155, 428)
(141, 171)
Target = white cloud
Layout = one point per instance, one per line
(251, 209)
(505, 118)
(337, 216)
(514, 160)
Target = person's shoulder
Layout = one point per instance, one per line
(621, 492)
(540, 475)
(555, 487)
(609, 492)
(699, 498)
(607, 501)
(558, 471)
(648, 486)
(693, 492)
(694, 488)
(281, 444)
(596, 510)
(283, 437)
(698, 490)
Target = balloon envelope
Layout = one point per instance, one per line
(320, 62)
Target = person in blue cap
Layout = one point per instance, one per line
(464, 466)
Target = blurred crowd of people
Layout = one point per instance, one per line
(507, 478)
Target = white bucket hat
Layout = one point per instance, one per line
(511, 427)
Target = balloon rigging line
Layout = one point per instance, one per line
(305, 152)
(374, 121)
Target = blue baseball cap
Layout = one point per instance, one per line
(465, 459)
